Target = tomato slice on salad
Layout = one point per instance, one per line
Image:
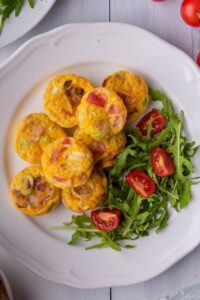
(158, 122)
(141, 183)
(161, 162)
(106, 219)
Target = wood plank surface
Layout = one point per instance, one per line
(64, 12)
(163, 19)
(27, 285)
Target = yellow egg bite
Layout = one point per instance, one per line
(101, 113)
(67, 163)
(62, 97)
(87, 196)
(31, 192)
(33, 134)
(104, 151)
(132, 89)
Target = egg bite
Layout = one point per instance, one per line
(33, 134)
(132, 89)
(104, 151)
(32, 193)
(67, 163)
(101, 113)
(87, 196)
(62, 97)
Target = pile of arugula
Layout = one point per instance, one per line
(7, 7)
(140, 215)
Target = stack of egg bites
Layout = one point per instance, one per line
(70, 169)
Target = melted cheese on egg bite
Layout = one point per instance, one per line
(33, 134)
(104, 151)
(32, 193)
(101, 113)
(62, 97)
(66, 163)
(87, 196)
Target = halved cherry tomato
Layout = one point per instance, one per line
(158, 122)
(161, 162)
(190, 12)
(106, 219)
(141, 183)
(97, 99)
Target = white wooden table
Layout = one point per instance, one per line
(164, 20)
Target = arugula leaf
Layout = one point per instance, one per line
(74, 238)
(168, 109)
(121, 160)
(129, 246)
(7, 7)
(31, 3)
(184, 192)
(134, 211)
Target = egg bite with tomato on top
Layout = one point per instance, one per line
(132, 89)
(33, 134)
(66, 163)
(104, 151)
(101, 113)
(32, 193)
(62, 97)
(87, 196)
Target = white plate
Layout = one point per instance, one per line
(93, 50)
(14, 28)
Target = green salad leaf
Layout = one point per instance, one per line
(7, 7)
(140, 215)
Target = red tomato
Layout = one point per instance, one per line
(67, 141)
(114, 109)
(56, 153)
(97, 99)
(190, 12)
(198, 59)
(141, 183)
(158, 122)
(106, 219)
(59, 179)
(161, 162)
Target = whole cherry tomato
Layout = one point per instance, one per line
(141, 183)
(198, 59)
(190, 12)
(106, 219)
(161, 162)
